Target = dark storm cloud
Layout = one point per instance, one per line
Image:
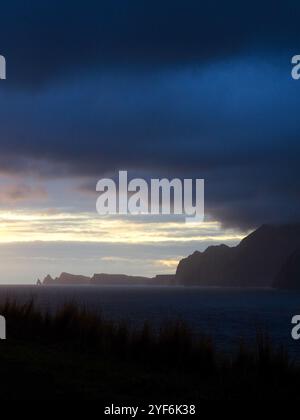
(48, 40)
(157, 88)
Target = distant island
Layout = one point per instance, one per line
(268, 257)
(104, 279)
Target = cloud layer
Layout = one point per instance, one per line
(160, 89)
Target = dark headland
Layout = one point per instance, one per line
(268, 257)
(104, 279)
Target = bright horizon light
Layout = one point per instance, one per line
(23, 226)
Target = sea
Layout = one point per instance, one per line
(226, 315)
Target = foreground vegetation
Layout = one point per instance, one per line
(76, 354)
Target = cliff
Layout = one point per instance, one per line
(118, 279)
(254, 262)
(66, 278)
(264, 258)
(48, 280)
(108, 279)
(123, 279)
(289, 274)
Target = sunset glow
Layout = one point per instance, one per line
(39, 226)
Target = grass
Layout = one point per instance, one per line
(77, 354)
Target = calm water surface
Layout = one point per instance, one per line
(224, 314)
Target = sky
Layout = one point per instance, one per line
(161, 89)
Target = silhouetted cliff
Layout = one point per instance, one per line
(109, 279)
(66, 278)
(118, 279)
(289, 274)
(48, 280)
(254, 262)
(123, 279)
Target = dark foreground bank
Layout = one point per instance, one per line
(75, 354)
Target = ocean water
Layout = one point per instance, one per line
(225, 314)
